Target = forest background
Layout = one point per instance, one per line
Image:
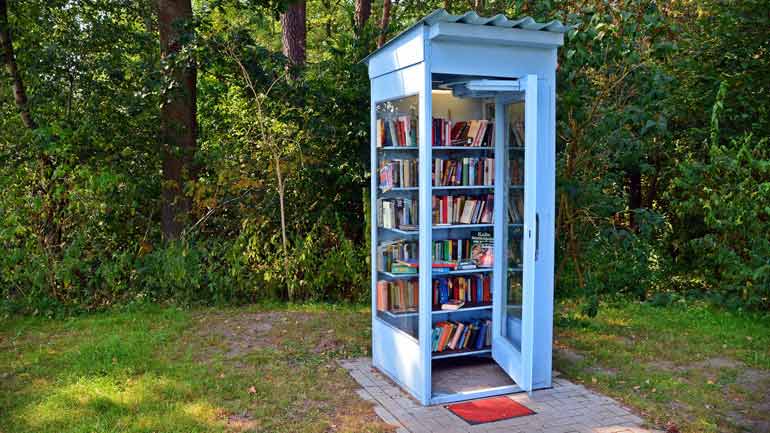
(216, 152)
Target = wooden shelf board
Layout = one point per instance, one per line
(402, 232)
(462, 148)
(463, 272)
(464, 187)
(461, 226)
(401, 188)
(462, 352)
(467, 307)
(398, 148)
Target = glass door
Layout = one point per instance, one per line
(515, 232)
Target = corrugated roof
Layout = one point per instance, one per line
(472, 18)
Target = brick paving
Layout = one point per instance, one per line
(565, 408)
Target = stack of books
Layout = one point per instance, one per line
(398, 296)
(397, 131)
(464, 172)
(470, 133)
(398, 213)
(460, 209)
(471, 289)
(398, 173)
(399, 257)
(471, 335)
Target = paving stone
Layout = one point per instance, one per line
(565, 408)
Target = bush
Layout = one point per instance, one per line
(724, 204)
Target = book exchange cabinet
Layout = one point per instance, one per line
(462, 215)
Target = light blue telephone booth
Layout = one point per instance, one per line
(463, 206)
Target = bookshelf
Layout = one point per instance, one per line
(462, 197)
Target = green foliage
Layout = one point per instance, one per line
(725, 201)
(660, 185)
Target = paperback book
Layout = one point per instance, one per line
(483, 249)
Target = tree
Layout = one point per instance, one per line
(294, 32)
(20, 94)
(48, 227)
(363, 11)
(384, 23)
(178, 125)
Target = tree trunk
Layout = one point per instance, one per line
(363, 11)
(9, 58)
(447, 5)
(178, 126)
(294, 33)
(384, 23)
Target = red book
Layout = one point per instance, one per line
(487, 294)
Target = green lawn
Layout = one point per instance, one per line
(699, 369)
(166, 370)
(273, 368)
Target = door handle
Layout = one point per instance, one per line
(537, 235)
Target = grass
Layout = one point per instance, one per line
(168, 370)
(273, 368)
(689, 366)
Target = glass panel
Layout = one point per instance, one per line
(463, 180)
(512, 296)
(397, 296)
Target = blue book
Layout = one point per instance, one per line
(481, 335)
(443, 291)
(435, 338)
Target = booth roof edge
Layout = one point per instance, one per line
(472, 18)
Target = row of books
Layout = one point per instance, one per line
(452, 335)
(402, 173)
(465, 171)
(516, 208)
(473, 289)
(398, 296)
(399, 257)
(470, 133)
(462, 209)
(398, 213)
(516, 170)
(397, 131)
(516, 130)
(398, 173)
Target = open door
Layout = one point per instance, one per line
(516, 231)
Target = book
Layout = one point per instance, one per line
(463, 172)
(465, 265)
(391, 253)
(399, 213)
(462, 209)
(470, 289)
(452, 305)
(398, 296)
(462, 335)
(397, 131)
(482, 249)
(398, 173)
(456, 336)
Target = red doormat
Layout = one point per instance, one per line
(489, 410)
